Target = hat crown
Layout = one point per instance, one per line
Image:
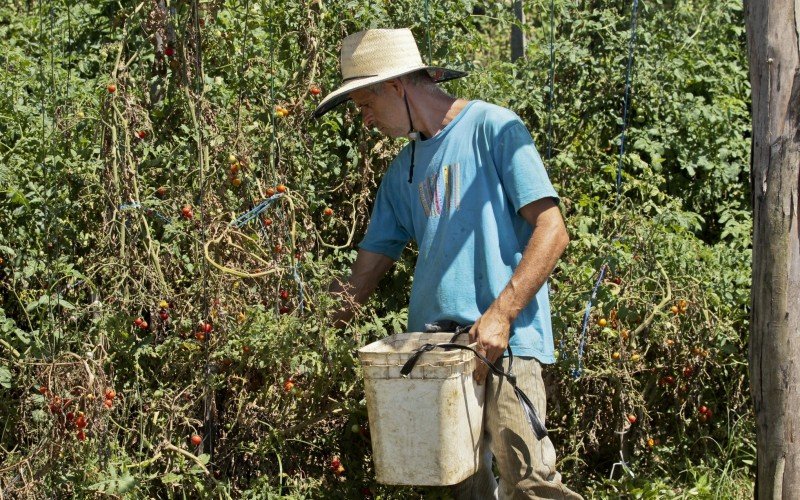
(377, 55)
(379, 52)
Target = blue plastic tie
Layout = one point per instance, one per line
(130, 206)
(255, 211)
(577, 371)
(253, 214)
(299, 286)
(627, 98)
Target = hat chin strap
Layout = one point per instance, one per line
(413, 135)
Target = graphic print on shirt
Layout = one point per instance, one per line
(441, 192)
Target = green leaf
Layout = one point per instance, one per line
(5, 377)
(170, 478)
(115, 485)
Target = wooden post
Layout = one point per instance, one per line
(773, 37)
(517, 36)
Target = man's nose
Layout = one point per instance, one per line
(368, 118)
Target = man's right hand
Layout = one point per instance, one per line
(365, 274)
(346, 304)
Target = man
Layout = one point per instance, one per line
(471, 190)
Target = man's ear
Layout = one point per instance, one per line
(395, 85)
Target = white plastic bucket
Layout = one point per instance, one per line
(426, 428)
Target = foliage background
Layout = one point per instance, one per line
(80, 263)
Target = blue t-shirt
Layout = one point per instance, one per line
(470, 180)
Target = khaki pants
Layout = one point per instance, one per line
(527, 466)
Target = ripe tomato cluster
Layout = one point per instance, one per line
(67, 419)
(77, 421)
(705, 414)
(108, 401)
(204, 328)
(186, 212)
(336, 465)
(163, 310)
(234, 169)
(284, 296)
(680, 307)
(666, 380)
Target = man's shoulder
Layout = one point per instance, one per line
(493, 116)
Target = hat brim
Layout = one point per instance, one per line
(342, 94)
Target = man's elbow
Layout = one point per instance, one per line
(562, 238)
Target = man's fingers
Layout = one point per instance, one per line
(473, 332)
(480, 372)
(494, 353)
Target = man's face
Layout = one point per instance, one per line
(384, 110)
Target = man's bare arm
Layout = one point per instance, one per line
(366, 273)
(547, 243)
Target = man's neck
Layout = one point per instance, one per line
(431, 113)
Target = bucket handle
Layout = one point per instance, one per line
(539, 430)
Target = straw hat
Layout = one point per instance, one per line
(377, 55)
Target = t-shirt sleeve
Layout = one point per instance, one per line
(520, 167)
(385, 235)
